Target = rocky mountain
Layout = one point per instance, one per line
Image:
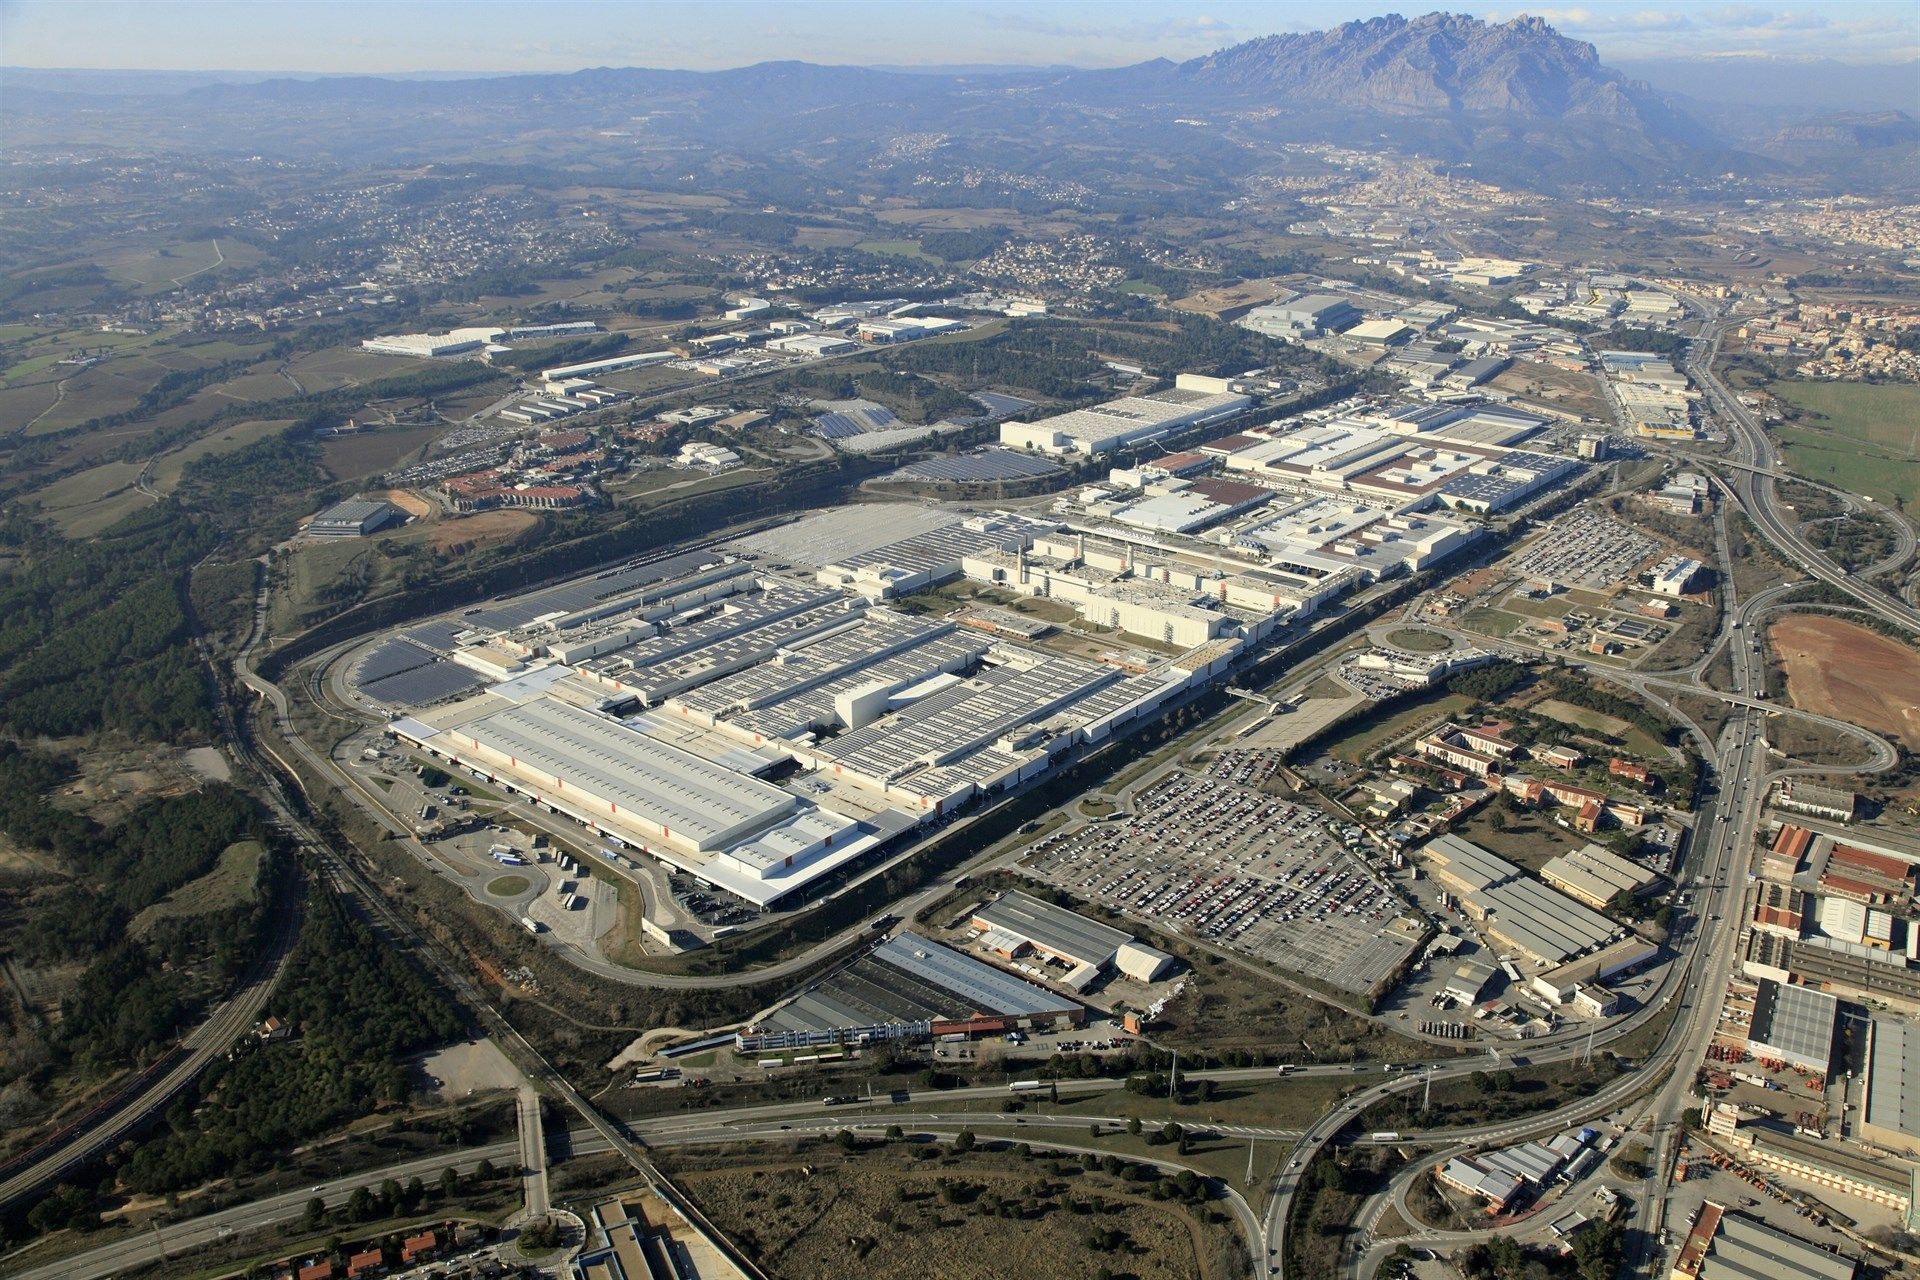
(1439, 64)
(1517, 101)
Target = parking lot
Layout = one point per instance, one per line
(1585, 548)
(1205, 858)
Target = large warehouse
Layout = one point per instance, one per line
(1545, 927)
(1795, 1025)
(909, 987)
(1891, 1117)
(1119, 423)
(1017, 922)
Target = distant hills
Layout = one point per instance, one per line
(1518, 101)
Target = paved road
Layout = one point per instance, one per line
(533, 1154)
(1756, 489)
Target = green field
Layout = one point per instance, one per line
(896, 249)
(1857, 436)
(167, 471)
(1369, 732)
(507, 886)
(83, 504)
(231, 883)
(1142, 287)
(1418, 640)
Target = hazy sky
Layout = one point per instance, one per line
(563, 35)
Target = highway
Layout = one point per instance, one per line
(1755, 487)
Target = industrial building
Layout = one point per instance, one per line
(1890, 1118)
(353, 518)
(1836, 1167)
(1723, 1245)
(1016, 923)
(1122, 423)
(432, 346)
(612, 364)
(648, 705)
(1596, 875)
(1307, 316)
(813, 344)
(1795, 1025)
(1545, 928)
(909, 988)
(1674, 575)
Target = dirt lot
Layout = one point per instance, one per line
(483, 529)
(818, 1215)
(1842, 670)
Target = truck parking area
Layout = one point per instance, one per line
(1203, 858)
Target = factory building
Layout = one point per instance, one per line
(353, 518)
(612, 364)
(909, 988)
(1596, 875)
(431, 346)
(1119, 424)
(1723, 1245)
(813, 344)
(1890, 1118)
(1307, 316)
(1016, 923)
(1545, 928)
(1795, 1025)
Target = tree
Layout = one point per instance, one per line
(449, 1182)
(316, 1213)
(360, 1205)
(963, 1141)
(1133, 1125)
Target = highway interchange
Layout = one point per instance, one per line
(1651, 1096)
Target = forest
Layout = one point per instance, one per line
(357, 1009)
(94, 635)
(133, 994)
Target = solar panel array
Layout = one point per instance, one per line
(435, 682)
(389, 659)
(1001, 405)
(854, 418)
(978, 468)
(570, 597)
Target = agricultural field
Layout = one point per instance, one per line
(1843, 670)
(158, 268)
(168, 470)
(86, 502)
(1857, 436)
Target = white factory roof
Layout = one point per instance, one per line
(694, 798)
(1135, 415)
(1052, 928)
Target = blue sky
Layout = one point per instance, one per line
(563, 35)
